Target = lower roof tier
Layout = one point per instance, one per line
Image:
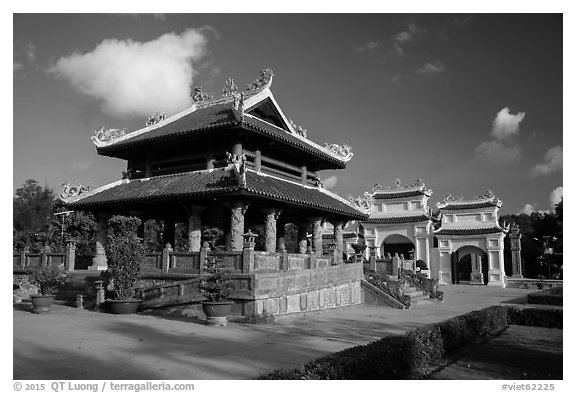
(469, 231)
(397, 219)
(222, 182)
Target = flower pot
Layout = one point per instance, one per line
(42, 303)
(216, 312)
(124, 306)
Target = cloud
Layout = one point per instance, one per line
(528, 209)
(431, 68)
(498, 153)
(17, 66)
(462, 21)
(556, 196)
(330, 182)
(137, 78)
(367, 46)
(31, 52)
(503, 148)
(506, 125)
(552, 162)
(412, 33)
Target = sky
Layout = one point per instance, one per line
(466, 102)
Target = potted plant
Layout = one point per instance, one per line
(211, 235)
(216, 288)
(124, 252)
(47, 279)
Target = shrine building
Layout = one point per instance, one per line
(462, 243)
(231, 162)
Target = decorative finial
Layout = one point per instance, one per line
(70, 191)
(343, 150)
(487, 195)
(199, 96)
(154, 119)
(230, 88)
(103, 135)
(239, 164)
(364, 203)
(299, 130)
(398, 183)
(263, 81)
(450, 198)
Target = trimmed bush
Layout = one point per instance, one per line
(409, 356)
(552, 296)
(539, 317)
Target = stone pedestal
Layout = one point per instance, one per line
(338, 240)
(516, 248)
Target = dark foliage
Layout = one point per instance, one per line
(47, 278)
(539, 317)
(552, 296)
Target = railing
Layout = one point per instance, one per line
(24, 259)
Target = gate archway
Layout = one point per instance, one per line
(397, 244)
(470, 265)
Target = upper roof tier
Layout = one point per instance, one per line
(487, 200)
(253, 113)
(400, 191)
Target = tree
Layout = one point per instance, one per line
(33, 207)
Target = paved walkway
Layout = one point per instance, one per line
(77, 344)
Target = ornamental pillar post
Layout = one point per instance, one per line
(338, 240)
(280, 237)
(516, 248)
(100, 262)
(237, 213)
(317, 236)
(270, 229)
(194, 227)
(302, 237)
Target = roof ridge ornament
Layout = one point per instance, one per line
(263, 81)
(199, 96)
(155, 119)
(365, 203)
(487, 195)
(398, 186)
(70, 191)
(238, 161)
(450, 198)
(299, 130)
(343, 150)
(230, 88)
(103, 135)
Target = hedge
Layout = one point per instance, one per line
(418, 352)
(552, 296)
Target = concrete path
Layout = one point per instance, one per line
(72, 344)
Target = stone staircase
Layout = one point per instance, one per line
(417, 296)
(74, 286)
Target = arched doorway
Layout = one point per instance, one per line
(469, 266)
(397, 244)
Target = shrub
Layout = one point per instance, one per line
(216, 287)
(412, 355)
(539, 317)
(552, 296)
(394, 288)
(47, 278)
(422, 282)
(125, 253)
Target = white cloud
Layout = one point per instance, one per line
(31, 52)
(431, 68)
(506, 125)
(367, 46)
(330, 182)
(410, 34)
(528, 209)
(556, 196)
(137, 78)
(498, 153)
(17, 66)
(552, 162)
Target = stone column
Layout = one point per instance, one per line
(302, 237)
(100, 262)
(237, 225)
(194, 227)
(317, 236)
(280, 237)
(169, 232)
(516, 248)
(270, 229)
(338, 240)
(476, 277)
(71, 255)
